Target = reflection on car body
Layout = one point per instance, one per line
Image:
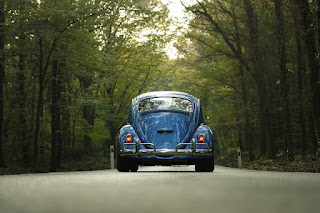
(165, 128)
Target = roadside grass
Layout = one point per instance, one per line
(310, 164)
(86, 164)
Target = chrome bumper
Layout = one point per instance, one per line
(165, 152)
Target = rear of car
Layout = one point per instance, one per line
(165, 128)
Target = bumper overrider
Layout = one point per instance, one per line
(134, 149)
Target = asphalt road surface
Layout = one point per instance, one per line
(161, 189)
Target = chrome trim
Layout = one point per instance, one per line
(137, 144)
(194, 145)
(165, 152)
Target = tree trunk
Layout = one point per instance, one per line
(318, 18)
(57, 93)
(64, 82)
(247, 118)
(266, 136)
(65, 112)
(313, 133)
(301, 77)
(88, 114)
(2, 76)
(22, 134)
(39, 105)
(66, 138)
(239, 134)
(55, 118)
(284, 79)
(73, 142)
(244, 93)
(22, 115)
(113, 128)
(113, 134)
(301, 73)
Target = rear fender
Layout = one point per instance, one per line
(206, 131)
(124, 131)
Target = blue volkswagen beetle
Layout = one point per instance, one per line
(165, 128)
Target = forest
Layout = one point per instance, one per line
(69, 69)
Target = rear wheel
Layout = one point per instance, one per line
(134, 166)
(122, 165)
(205, 165)
(126, 165)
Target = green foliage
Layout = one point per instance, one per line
(107, 52)
(103, 62)
(219, 46)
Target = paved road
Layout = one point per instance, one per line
(161, 189)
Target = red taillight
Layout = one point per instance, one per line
(129, 138)
(201, 138)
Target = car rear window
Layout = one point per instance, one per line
(165, 103)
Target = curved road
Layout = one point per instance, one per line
(161, 189)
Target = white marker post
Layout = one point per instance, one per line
(111, 157)
(239, 158)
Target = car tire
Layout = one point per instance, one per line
(126, 165)
(205, 165)
(134, 166)
(122, 164)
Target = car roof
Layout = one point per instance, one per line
(166, 94)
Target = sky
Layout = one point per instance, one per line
(176, 9)
(178, 14)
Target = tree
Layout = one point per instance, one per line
(130, 63)
(234, 43)
(67, 68)
(2, 76)
(301, 74)
(305, 12)
(222, 38)
(248, 124)
(22, 127)
(284, 79)
(266, 137)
